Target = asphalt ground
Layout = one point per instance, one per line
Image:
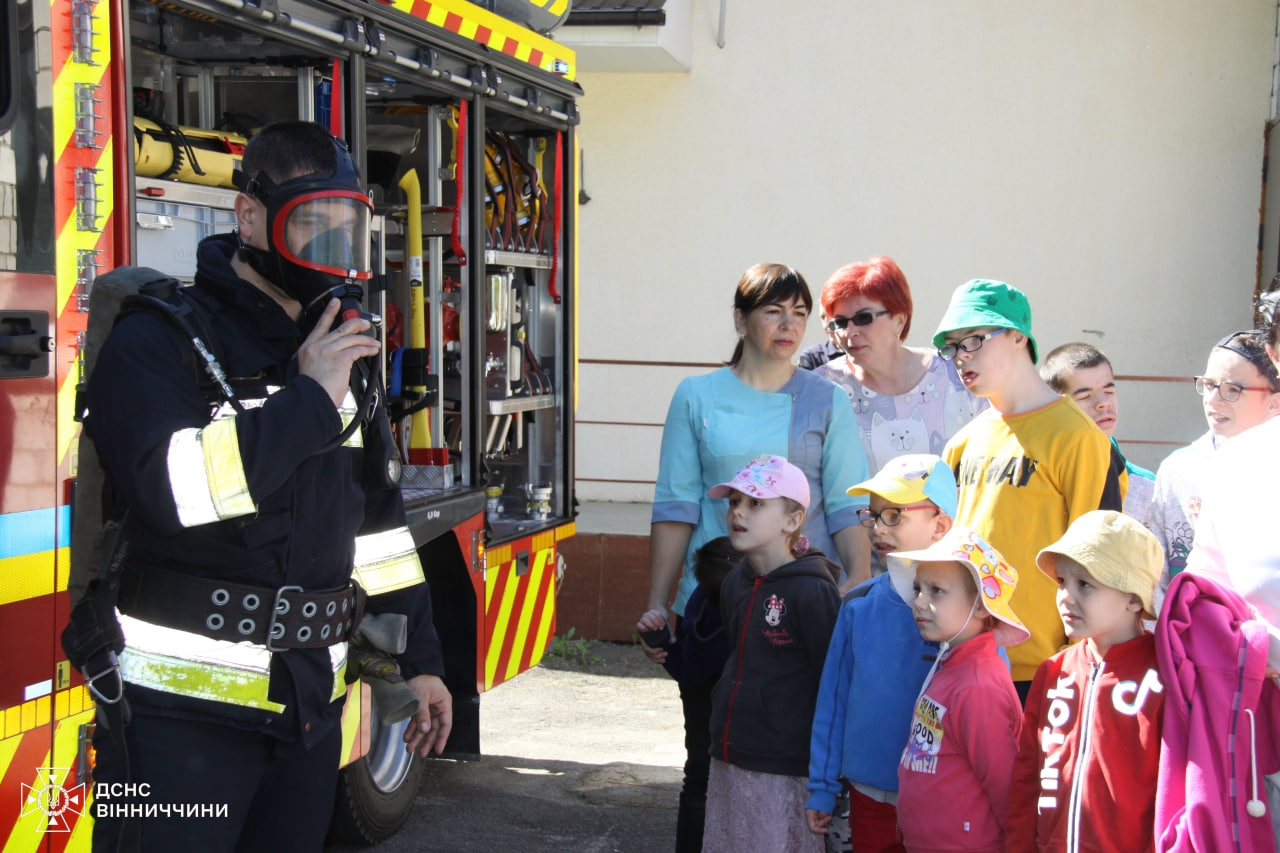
(582, 754)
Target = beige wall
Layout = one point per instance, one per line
(1103, 156)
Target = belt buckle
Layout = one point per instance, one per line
(276, 629)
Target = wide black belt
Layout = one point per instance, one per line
(282, 618)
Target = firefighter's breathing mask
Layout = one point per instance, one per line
(317, 234)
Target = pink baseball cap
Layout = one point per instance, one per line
(767, 477)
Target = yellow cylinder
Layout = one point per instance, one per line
(420, 432)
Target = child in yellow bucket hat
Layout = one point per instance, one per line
(964, 732)
(1090, 751)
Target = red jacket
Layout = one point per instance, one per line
(1089, 755)
(953, 779)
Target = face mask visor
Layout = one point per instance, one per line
(327, 232)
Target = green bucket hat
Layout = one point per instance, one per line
(982, 302)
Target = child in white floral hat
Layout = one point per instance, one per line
(779, 609)
(957, 768)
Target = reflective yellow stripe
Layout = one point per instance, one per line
(188, 664)
(338, 660)
(228, 484)
(387, 561)
(347, 411)
(206, 474)
(198, 680)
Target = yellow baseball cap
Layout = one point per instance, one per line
(912, 479)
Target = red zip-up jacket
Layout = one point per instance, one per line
(1089, 755)
(954, 775)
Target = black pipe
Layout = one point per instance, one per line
(617, 18)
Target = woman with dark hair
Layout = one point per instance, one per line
(759, 403)
(905, 399)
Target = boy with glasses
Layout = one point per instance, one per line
(877, 661)
(1028, 466)
(1239, 390)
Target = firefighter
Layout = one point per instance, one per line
(248, 522)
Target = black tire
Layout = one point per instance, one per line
(376, 793)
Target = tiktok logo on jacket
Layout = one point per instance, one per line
(1150, 684)
(1076, 712)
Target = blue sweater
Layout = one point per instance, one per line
(875, 665)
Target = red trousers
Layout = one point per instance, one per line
(873, 825)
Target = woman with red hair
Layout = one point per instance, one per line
(905, 399)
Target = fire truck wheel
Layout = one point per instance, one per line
(376, 793)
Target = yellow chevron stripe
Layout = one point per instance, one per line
(70, 241)
(8, 747)
(66, 748)
(64, 86)
(494, 561)
(499, 632)
(520, 637)
(546, 623)
(473, 17)
(557, 7)
(28, 830)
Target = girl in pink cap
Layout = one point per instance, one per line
(779, 610)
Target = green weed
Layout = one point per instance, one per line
(580, 651)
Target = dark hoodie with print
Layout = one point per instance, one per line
(779, 626)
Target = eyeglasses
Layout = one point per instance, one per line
(1228, 391)
(889, 517)
(863, 318)
(973, 343)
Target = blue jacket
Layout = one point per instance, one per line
(697, 656)
(875, 665)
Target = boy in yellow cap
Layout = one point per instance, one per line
(1090, 747)
(877, 660)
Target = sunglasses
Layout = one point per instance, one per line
(862, 318)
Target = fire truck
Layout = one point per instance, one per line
(120, 124)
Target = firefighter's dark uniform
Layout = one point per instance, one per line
(251, 498)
